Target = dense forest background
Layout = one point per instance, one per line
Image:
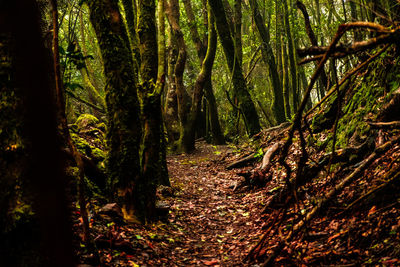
(97, 97)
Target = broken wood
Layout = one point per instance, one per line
(267, 157)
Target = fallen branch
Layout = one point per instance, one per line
(267, 157)
(385, 125)
(328, 197)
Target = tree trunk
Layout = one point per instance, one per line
(239, 84)
(201, 48)
(130, 15)
(184, 143)
(269, 59)
(124, 129)
(30, 137)
(164, 177)
(292, 60)
(171, 101)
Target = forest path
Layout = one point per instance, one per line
(208, 223)
(216, 226)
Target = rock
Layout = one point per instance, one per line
(112, 210)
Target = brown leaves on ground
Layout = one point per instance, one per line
(208, 224)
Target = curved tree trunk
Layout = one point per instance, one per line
(201, 48)
(239, 84)
(184, 143)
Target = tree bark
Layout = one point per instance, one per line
(269, 59)
(292, 60)
(239, 84)
(184, 143)
(201, 48)
(124, 129)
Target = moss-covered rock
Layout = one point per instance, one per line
(86, 120)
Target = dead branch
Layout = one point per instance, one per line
(345, 50)
(385, 125)
(328, 197)
(268, 155)
(297, 119)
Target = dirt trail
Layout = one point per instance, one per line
(216, 225)
(208, 224)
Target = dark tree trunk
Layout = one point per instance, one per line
(201, 48)
(26, 91)
(130, 15)
(269, 59)
(124, 130)
(239, 84)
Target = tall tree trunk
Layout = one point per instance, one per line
(124, 129)
(151, 101)
(239, 84)
(269, 59)
(201, 48)
(203, 77)
(286, 83)
(171, 101)
(164, 177)
(131, 22)
(292, 60)
(28, 101)
(238, 30)
(184, 143)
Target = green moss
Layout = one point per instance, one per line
(81, 144)
(101, 126)
(86, 120)
(98, 154)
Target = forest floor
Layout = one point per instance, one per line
(214, 221)
(208, 223)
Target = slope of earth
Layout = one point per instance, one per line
(208, 223)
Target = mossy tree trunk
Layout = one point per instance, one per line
(164, 177)
(124, 129)
(131, 23)
(201, 48)
(202, 78)
(183, 99)
(171, 101)
(239, 84)
(269, 59)
(292, 60)
(150, 91)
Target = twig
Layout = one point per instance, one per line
(385, 125)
